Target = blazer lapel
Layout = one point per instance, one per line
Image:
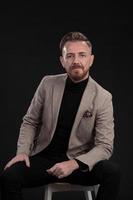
(58, 91)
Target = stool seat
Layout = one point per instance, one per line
(60, 187)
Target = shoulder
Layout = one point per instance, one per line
(102, 96)
(100, 90)
(53, 78)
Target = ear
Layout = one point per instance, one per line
(62, 61)
(92, 60)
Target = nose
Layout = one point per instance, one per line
(76, 59)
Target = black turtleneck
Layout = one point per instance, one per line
(69, 106)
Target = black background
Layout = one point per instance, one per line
(29, 49)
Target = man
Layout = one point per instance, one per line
(67, 133)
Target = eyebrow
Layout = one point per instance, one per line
(82, 52)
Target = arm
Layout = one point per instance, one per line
(31, 121)
(104, 135)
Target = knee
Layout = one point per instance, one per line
(7, 176)
(10, 175)
(112, 170)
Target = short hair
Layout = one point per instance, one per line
(74, 36)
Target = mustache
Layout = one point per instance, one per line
(75, 66)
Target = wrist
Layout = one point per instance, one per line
(82, 166)
(75, 163)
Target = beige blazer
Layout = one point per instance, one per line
(92, 134)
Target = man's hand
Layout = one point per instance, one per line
(63, 169)
(17, 158)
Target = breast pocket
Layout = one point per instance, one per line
(85, 129)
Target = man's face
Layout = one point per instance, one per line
(77, 59)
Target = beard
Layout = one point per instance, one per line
(77, 72)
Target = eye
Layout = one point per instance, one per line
(69, 56)
(83, 55)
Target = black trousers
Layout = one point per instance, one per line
(18, 176)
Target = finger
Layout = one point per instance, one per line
(61, 176)
(27, 161)
(57, 172)
(6, 167)
(9, 164)
(51, 170)
(48, 170)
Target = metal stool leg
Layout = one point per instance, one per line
(48, 193)
(88, 195)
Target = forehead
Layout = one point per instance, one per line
(75, 47)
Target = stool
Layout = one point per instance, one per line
(60, 187)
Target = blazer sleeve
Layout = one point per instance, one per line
(104, 135)
(31, 121)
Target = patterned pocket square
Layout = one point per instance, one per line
(87, 114)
